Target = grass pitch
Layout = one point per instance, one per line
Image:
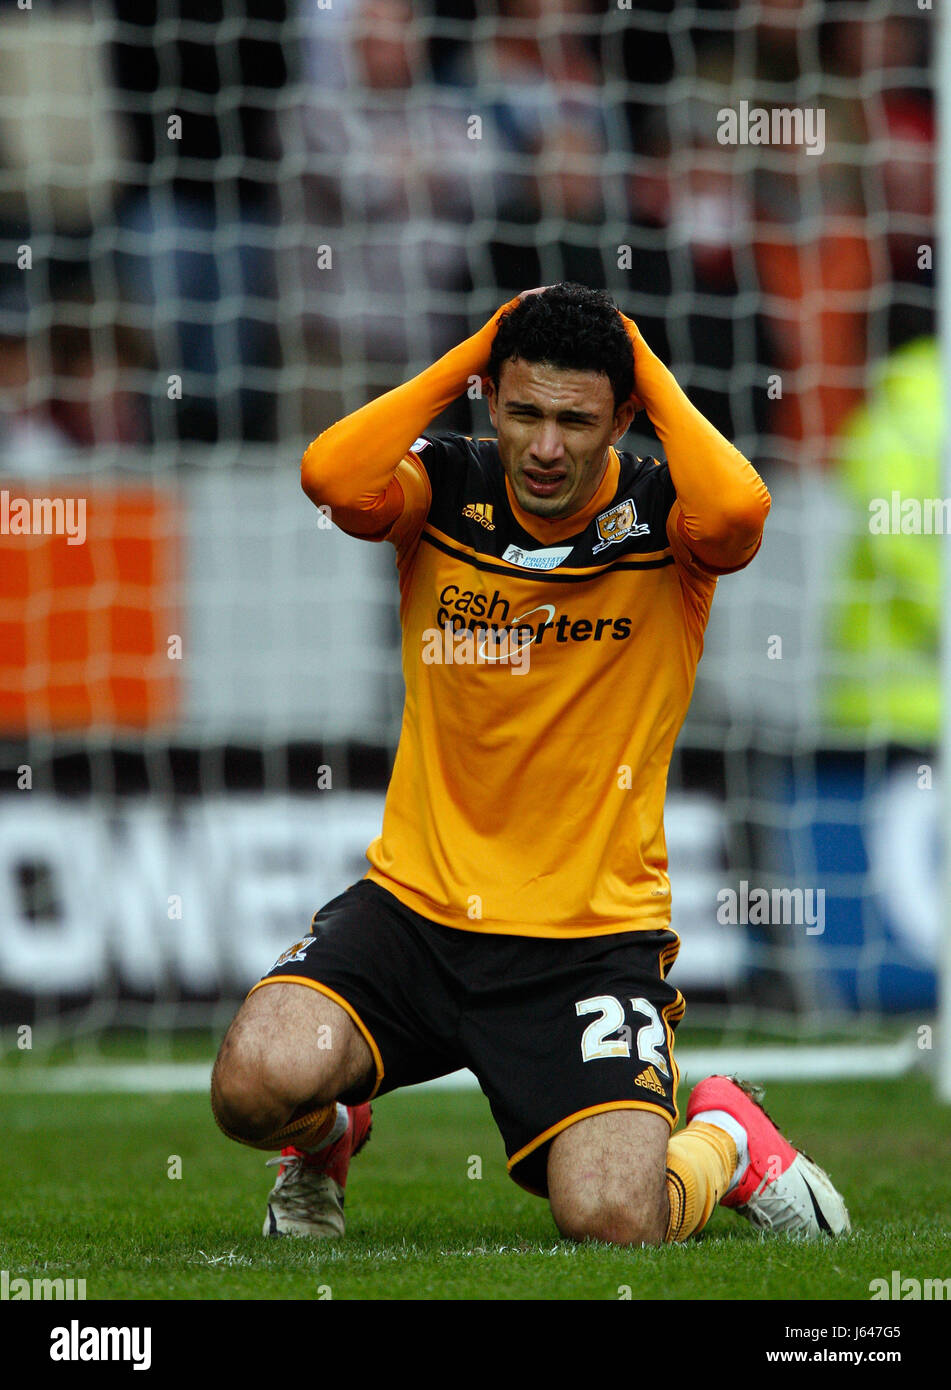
(144, 1199)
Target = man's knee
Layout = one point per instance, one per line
(621, 1218)
(249, 1096)
(607, 1178)
(288, 1047)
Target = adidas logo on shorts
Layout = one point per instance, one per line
(650, 1081)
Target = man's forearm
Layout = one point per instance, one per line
(351, 465)
(723, 500)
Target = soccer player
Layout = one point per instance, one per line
(515, 918)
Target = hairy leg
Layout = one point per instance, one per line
(290, 1050)
(607, 1178)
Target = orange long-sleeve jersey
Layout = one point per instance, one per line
(548, 664)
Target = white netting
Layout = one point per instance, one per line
(221, 230)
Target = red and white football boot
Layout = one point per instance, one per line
(776, 1186)
(307, 1199)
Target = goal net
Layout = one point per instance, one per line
(224, 228)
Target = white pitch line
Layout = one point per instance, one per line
(822, 1063)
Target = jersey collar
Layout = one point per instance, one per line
(564, 526)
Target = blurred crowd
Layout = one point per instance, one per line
(355, 184)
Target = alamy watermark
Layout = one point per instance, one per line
(765, 907)
(43, 516)
(927, 1290)
(17, 1290)
(775, 125)
(76, 1343)
(460, 646)
(909, 516)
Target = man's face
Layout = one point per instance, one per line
(554, 429)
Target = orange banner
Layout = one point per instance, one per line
(90, 611)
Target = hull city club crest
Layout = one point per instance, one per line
(295, 952)
(617, 524)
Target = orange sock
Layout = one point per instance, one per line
(301, 1131)
(701, 1160)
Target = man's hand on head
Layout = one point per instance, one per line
(634, 334)
(632, 331)
(525, 294)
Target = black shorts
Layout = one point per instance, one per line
(554, 1030)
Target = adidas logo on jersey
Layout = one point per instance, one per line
(480, 512)
(650, 1081)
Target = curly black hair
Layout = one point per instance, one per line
(570, 327)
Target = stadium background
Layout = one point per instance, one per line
(225, 226)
